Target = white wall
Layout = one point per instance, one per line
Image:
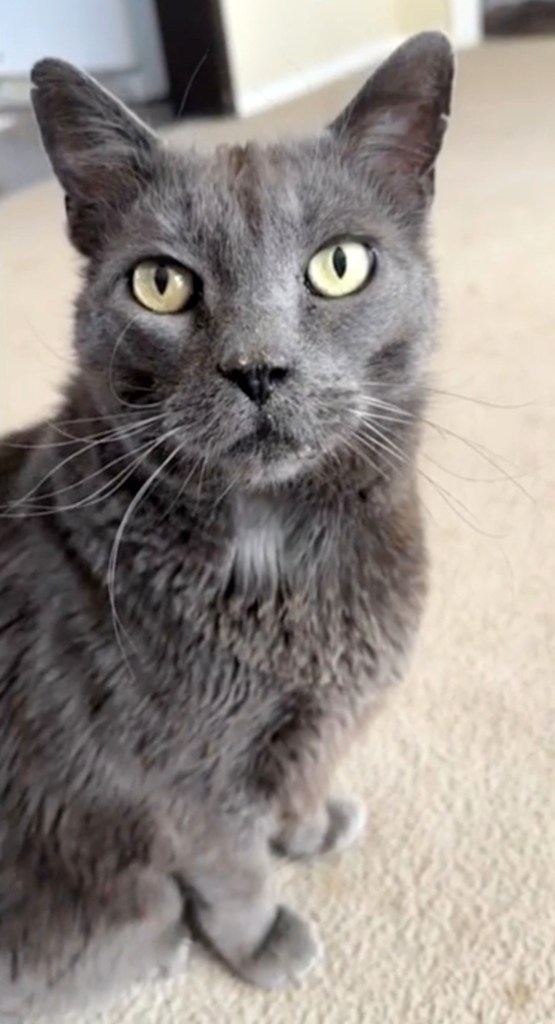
(104, 36)
(415, 15)
(92, 33)
(281, 48)
(278, 44)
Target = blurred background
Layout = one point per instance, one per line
(199, 58)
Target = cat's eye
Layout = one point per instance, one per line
(162, 287)
(341, 269)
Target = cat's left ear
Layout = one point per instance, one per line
(100, 152)
(394, 127)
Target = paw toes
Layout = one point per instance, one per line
(346, 821)
(287, 953)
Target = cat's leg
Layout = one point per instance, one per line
(140, 935)
(58, 953)
(333, 826)
(266, 944)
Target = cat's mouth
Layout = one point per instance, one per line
(269, 452)
(266, 439)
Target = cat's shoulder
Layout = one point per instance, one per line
(16, 449)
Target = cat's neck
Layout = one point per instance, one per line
(95, 481)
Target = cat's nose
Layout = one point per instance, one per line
(256, 382)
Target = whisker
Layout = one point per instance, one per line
(461, 476)
(81, 451)
(479, 449)
(203, 468)
(478, 401)
(451, 500)
(353, 444)
(107, 435)
(113, 559)
(111, 366)
(104, 492)
(191, 82)
(103, 419)
(231, 484)
(111, 370)
(180, 491)
(378, 403)
(439, 465)
(384, 441)
(486, 455)
(101, 470)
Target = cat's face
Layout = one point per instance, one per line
(260, 303)
(259, 371)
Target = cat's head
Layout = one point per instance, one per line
(265, 305)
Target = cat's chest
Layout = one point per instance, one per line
(277, 596)
(262, 602)
(259, 548)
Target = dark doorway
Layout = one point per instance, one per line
(196, 57)
(524, 18)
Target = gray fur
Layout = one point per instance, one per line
(202, 601)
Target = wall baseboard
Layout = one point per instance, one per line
(465, 30)
(276, 93)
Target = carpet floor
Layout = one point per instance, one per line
(445, 912)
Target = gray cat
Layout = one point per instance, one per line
(212, 562)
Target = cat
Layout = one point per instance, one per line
(212, 563)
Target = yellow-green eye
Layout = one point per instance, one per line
(340, 269)
(162, 287)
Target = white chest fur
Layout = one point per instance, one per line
(259, 541)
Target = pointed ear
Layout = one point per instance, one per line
(100, 152)
(395, 125)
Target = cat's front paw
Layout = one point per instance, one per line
(285, 955)
(336, 827)
(346, 822)
(172, 962)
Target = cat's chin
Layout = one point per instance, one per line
(268, 456)
(259, 471)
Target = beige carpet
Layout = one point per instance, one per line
(445, 914)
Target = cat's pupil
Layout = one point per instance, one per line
(161, 279)
(339, 261)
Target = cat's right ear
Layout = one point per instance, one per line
(100, 152)
(394, 127)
